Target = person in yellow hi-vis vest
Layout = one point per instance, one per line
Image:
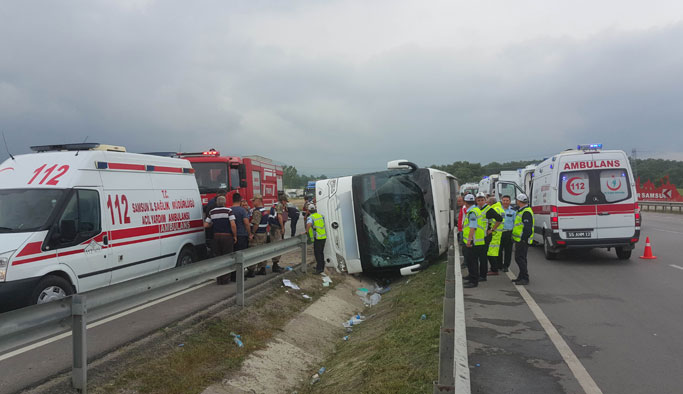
(474, 234)
(494, 236)
(523, 235)
(315, 226)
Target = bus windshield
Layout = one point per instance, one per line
(211, 176)
(25, 210)
(394, 218)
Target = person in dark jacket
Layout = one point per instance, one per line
(522, 234)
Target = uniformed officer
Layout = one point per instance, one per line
(259, 223)
(277, 225)
(522, 234)
(474, 234)
(315, 226)
(488, 216)
(506, 238)
(493, 236)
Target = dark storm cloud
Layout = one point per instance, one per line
(159, 76)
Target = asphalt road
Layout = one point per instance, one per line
(622, 319)
(39, 364)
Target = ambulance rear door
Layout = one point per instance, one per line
(576, 205)
(616, 209)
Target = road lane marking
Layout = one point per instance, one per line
(676, 266)
(98, 323)
(582, 376)
(665, 231)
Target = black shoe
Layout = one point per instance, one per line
(466, 278)
(469, 285)
(505, 270)
(482, 279)
(261, 271)
(250, 274)
(522, 282)
(514, 280)
(277, 268)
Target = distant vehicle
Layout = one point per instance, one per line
(586, 198)
(469, 188)
(248, 176)
(77, 217)
(488, 184)
(394, 220)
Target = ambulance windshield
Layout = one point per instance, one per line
(24, 210)
(211, 176)
(394, 218)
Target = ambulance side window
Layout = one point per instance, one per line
(80, 219)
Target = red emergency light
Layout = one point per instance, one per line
(211, 152)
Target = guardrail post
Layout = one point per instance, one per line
(239, 266)
(79, 377)
(304, 250)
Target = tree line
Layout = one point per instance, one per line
(646, 169)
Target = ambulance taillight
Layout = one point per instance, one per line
(554, 223)
(636, 211)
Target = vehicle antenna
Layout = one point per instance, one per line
(86, 138)
(6, 147)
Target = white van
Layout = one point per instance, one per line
(394, 220)
(77, 217)
(586, 198)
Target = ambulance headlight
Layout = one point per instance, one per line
(4, 262)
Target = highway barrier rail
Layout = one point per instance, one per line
(37, 323)
(454, 372)
(664, 204)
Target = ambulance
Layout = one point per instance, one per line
(77, 217)
(585, 198)
(395, 220)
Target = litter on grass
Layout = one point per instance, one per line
(289, 284)
(306, 296)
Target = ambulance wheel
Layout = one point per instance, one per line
(51, 288)
(186, 256)
(623, 254)
(549, 254)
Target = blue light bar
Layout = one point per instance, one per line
(589, 147)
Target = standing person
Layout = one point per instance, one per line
(293, 214)
(222, 221)
(494, 234)
(315, 226)
(474, 232)
(209, 231)
(506, 238)
(243, 228)
(522, 234)
(489, 215)
(462, 212)
(276, 225)
(259, 223)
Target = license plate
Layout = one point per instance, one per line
(578, 234)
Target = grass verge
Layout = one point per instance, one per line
(393, 351)
(192, 360)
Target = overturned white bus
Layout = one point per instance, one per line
(391, 220)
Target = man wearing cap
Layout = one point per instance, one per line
(488, 215)
(315, 227)
(277, 225)
(211, 204)
(522, 235)
(506, 238)
(494, 234)
(474, 234)
(259, 227)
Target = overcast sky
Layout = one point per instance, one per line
(343, 86)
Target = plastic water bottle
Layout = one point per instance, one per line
(321, 370)
(346, 338)
(237, 340)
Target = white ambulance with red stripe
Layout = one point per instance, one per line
(585, 198)
(77, 217)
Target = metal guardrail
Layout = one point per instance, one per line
(664, 204)
(454, 372)
(36, 323)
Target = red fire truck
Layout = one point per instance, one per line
(247, 175)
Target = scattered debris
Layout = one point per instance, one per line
(288, 268)
(478, 365)
(315, 379)
(236, 339)
(289, 284)
(321, 370)
(181, 345)
(375, 299)
(346, 338)
(306, 296)
(423, 317)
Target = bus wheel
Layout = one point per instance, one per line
(549, 254)
(623, 254)
(185, 257)
(51, 288)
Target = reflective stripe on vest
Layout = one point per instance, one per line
(318, 226)
(480, 231)
(519, 226)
